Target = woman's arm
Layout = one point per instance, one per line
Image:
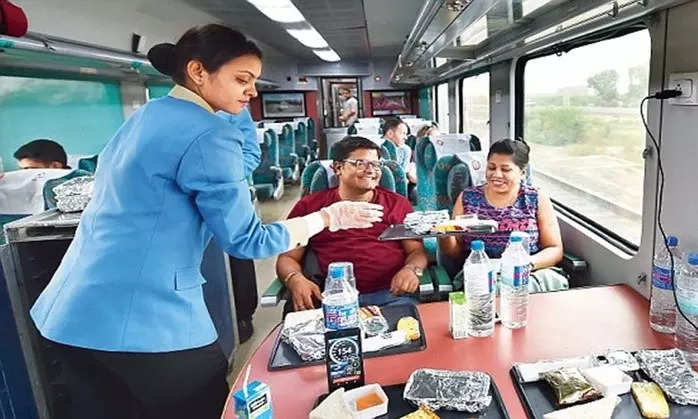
(549, 235)
(450, 246)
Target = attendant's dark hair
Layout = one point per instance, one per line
(516, 148)
(343, 148)
(46, 151)
(213, 45)
(392, 123)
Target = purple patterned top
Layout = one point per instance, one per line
(522, 215)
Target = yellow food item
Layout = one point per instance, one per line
(447, 227)
(650, 399)
(410, 326)
(423, 413)
(367, 401)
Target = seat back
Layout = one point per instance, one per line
(456, 172)
(311, 129)
(428, 152)
(270, 158)
(287, 146)
(50, 196)
(412, 142)
(301, 138)
(309, 172)
(388, 150)
(88, 164)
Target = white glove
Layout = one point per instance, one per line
(344, 215)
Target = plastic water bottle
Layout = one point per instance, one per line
(662, 304)
(340, 301)
(479, 290)
(687, 295)
(348, 268)
(514, 286)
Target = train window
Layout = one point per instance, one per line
(442, 114)
(581, 118)
(475, 99)
(80, 115)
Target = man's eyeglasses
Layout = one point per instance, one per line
(364, 165)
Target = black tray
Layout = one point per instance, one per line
(400, 232)
(538, 399)
(398, 407)
(283, 356)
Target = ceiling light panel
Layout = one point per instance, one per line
(327, 55)
(283, 11)
(308, 37)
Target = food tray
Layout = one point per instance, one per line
(400, 232)
(538, 400)
(398, 407)
(283, 356)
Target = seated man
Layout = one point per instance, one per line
(395, 131)
(385, 270)
(42, 154)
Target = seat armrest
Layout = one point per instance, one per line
(274, 294)
(573, 264)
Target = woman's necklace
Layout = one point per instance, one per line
(501, 202)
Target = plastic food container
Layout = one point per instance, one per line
(351, 396)
(608, 379)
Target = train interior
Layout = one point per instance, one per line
(567, 76)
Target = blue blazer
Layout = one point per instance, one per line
(172, 176)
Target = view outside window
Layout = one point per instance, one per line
(475, 94)
(442, 107)
(582, 121)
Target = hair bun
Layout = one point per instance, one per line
(164, 57)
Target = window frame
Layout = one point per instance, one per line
(436, 105)
(607, 234)
(461, 108)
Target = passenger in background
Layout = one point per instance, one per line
(515, 205)
(350, 112)
(431, 130)
(42, 154)
(385, 270)
(395, 131)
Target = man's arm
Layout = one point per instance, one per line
(406, 279)
(290, 271)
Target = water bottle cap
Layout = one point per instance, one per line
(477, 245)
(672, 241)
(515, 239)
(693, 258)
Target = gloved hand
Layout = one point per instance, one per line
(344, 215)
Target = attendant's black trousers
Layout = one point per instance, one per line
(122, 385)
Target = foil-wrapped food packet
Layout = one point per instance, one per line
(621, 359)
(74, 195)
(570, 386)
(465, 391)
(421, 222)
(670, 370)
(307, 338)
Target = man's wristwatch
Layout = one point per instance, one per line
(416, 269)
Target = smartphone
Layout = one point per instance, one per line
(344, 359)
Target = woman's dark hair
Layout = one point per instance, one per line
(392, 123)
(213, 45)
(518, 149)
(343, 148)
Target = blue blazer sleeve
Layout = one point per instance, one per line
(251, 152)
(211, 172)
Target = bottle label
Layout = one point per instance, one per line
(661, 278)
(521, 274)
(688, 302)
(341, 316)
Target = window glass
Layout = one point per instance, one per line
(80, 115)
(442, 107)
(582, 120)
(475, 94)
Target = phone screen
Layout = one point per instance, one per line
(344, 359)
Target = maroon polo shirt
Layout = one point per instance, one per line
(375, 262)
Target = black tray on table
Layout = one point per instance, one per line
(401, 232)
(399, 407)
(538, 399)
(283, 356)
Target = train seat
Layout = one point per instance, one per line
(268, 177)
